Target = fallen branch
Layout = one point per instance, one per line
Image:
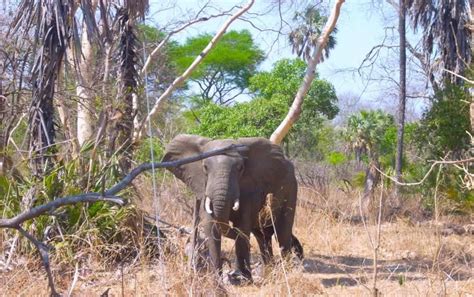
(108, 196)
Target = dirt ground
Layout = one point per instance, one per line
(413, 259)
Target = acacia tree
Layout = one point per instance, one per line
(224, 73)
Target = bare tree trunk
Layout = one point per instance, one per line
(372, 178)
(85, 103)
(295, 109)
(3, 135)
(402, 96)
(471, 109)
(65, 115)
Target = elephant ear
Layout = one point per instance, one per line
(265, 161)
(183, 146)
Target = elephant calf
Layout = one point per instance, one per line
(234, 187)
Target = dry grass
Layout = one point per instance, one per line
(414, 259)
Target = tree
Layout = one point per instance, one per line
(295, 110)
(402, 89)
(52, 35)
(442, 127)
(225, 72)
(84, 83)
(274, 91)
(159, 103)
(129, 55)
(445, 26)
(281, 85)
(365, 133)
(305, 36)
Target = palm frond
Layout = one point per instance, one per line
(54, 20)
(445, 24)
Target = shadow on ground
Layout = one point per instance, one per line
(353, 271)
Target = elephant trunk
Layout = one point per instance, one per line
(222, 196)
(221, 208)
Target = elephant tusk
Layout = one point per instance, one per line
(236, 205)
(207, 205)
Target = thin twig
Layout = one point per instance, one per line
(433, 165)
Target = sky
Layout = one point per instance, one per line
(360, 28)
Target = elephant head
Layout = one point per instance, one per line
(215, 179)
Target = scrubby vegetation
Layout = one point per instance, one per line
(363, 232)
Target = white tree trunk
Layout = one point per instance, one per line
(85, 103)
(138, 133)
(295, 109)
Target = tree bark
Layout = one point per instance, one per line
(65, 115)
(85, 103)
(402, 93)
(471, 109)
(296, 107)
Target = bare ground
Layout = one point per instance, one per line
(413, 259)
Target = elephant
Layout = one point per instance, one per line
(234, 187)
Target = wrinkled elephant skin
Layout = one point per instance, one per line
(233, 188)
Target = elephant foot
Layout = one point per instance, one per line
(237, 278)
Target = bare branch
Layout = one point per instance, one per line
(295, 109)
(179, 80)
(173, 32)
(433, 165)
(459, 76)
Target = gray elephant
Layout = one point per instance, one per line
(234, 187)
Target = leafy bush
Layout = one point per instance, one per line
(336, 158)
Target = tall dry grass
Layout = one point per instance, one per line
(414, 259)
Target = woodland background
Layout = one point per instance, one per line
(91, 89)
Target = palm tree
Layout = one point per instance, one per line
(53, 22)
(53, 19)
(128, 76)
(445, 25)
(304, 37)
(365, 130)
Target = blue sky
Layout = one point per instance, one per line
(360, 27)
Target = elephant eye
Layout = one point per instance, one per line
(205, 168)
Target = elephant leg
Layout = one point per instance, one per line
(284, 227)
(264, 241)
(242, 251)
(213, 233)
